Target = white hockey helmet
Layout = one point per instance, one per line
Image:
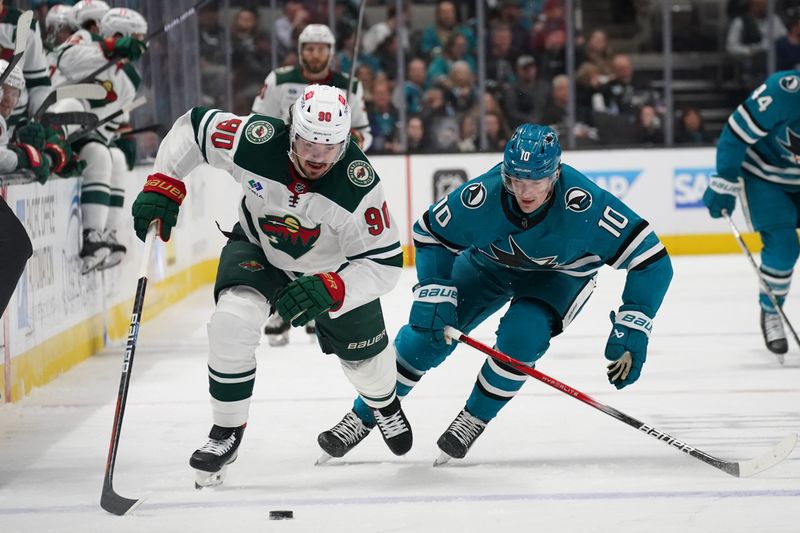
(316, 33)
(88, 10)
(320, 115)
(58, 17)
(15, 79)
(122, 20)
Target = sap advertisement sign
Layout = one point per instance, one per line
(617, 182)
(689, 186)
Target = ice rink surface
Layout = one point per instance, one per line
(547, 463)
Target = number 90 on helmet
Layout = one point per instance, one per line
(319, 129)
(532, 153)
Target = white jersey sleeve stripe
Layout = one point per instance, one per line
(745, 114)
(740, 131)
(644, 256)
(643, 233)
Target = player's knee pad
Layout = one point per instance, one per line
(98, 163)
(374, 377)
(415, 350)
(234, 329)
(781, 249)
(525, 330)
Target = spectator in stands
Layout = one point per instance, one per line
(250, 50)
(648, 126)
(787, 48)
(510, 14)
(288, 27)
(344, 57)
(414, 87)
(496, 133)
(552, 59)
(748, 39)
(439, 121)
(621, 95)
(588, 84)
(468, 135)
(691, 128)
(554, 113)
(455, 50)
(436, 35)
(525, 97)
(213, 71)
(380, 31)
(550, 20)
(499, 55)
(383, 117)
(597, 52)
(415, 133)
(461, 93)
(366, 75)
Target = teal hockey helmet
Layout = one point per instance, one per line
(532, 153)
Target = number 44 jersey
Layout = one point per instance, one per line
(578, 230)
(338, 223)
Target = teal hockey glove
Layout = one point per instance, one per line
(627, 346)
(434, 307)
(160, 199)
(307, 297)
(721, 195)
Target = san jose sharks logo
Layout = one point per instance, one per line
(288, 235)
(791, 145)
(518, 258)
(473, 195)
(578, 200)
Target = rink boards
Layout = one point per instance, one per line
(57, 317)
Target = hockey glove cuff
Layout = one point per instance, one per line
(29, 158)
(159, 200)
(721, 195)
(127, 47)
(627, 346)
(307, 297)
(434, 307)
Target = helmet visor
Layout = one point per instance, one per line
(529, 187)
(319, 153)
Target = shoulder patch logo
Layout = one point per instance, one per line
(473, 196)
(360, 173)
(790, 84)
(578, 200)
(259, 132)
(251, 266)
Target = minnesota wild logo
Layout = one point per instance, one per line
(251, 265)
(259, 131)
(288, 235)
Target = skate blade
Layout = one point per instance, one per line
(209, 479)
(111, 261)
(324, 458)
(442, 459)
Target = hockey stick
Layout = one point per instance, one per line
(89, 91)
(80, 134)
(157, 128)
(20, 44)
(109, 499)
(355, 49)
(764, 285)
(165, 28)
(81, 118)
(778, 453)
(17, 177)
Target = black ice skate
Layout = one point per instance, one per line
(212, 459)
(774, 335)
(394, 427)
(116, 251)
(311, 328)
(93, 251)
(276, 330)
(459, 437)
(342, 437)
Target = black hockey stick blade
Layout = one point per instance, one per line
(20, 44)
(747, 468)
(80, 118)
(114, 503)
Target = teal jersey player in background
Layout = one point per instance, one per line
(757, 159)
(533, 232)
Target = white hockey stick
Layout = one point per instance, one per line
(23, 36)
(764, 285)
(89, 91)
(747, 468)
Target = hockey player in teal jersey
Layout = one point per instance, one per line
(533, 232)
(757, 159)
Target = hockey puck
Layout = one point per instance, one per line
(281, 515)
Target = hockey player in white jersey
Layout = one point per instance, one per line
(102, 193)
(314, 241)
(58, 26)
(316, 47)
(34, 63)
(86, 16)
